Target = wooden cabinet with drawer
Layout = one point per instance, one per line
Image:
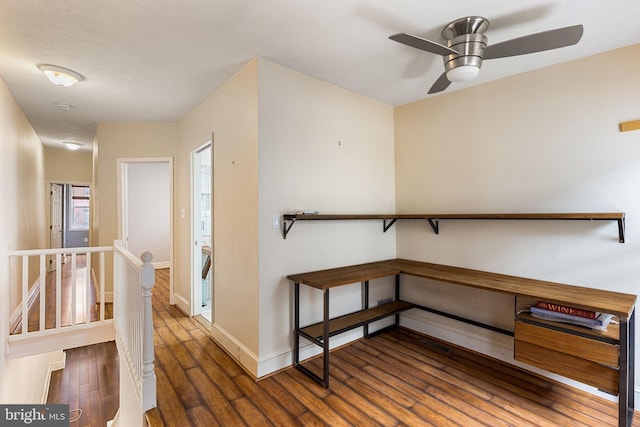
(589, 356)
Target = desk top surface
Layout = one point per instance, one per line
(617, 303)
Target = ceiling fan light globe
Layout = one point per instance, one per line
(463, 73)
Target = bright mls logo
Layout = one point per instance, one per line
(34, 415)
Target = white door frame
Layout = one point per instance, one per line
(47, 198)
(48, 203)
(57, 242)
(56, 225)
(196, 237)
(122, 205)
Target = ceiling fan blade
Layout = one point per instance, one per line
(538, 42)
(422, 44)
(441, 84)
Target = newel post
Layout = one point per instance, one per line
(148, 369)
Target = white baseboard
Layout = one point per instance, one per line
(161, 264)
(245, 357)
(115, 421)
(56, 366)
(182, 304)
(108, 297)
(53, 366)
(277, 361)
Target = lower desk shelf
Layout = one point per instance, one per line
(350, 321)
(319, 333)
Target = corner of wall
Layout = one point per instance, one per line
(239, 352)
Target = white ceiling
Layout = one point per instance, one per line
(154, 60)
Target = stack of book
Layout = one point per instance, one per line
(577, 316)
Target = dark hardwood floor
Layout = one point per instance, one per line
(89, 382)
(397, 378)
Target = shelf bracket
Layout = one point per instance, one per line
(387, 225)
(434, 224)
(287, 223)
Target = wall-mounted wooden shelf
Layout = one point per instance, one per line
(433, 219)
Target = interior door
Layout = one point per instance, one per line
(56, 227)
(196, 221)
(202, 274)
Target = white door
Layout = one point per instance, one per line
(56, 227)
(202, 255)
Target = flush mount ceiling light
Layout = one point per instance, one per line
(72, 145)
(60, 76)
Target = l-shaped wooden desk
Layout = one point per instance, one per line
(601, 359)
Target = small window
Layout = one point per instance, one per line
(79, 208)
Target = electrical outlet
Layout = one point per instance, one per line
(276, 221)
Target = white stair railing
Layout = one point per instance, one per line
(68, 329)
(133, 281)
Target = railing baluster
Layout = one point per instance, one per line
(43, 285)
(58, 291)
(25, 294)
(87, 287)
(148, 369)
(101, 286)
(74, 302)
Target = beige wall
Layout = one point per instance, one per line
(22, 226)
(283, 142)
(66, 166)
(123, 140)
(22, 211)
(231, 113)
(327, 149)
(544, 141)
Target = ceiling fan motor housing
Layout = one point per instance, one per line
(466, 36)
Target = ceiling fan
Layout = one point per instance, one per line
(466, 47)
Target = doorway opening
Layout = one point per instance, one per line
(69, 214)
(145, 214)
(202, 232)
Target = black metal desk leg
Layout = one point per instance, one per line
(397, 297)
(325, 337)
(296, 330)
(632, 359)
(365, 305)
(627, 372)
